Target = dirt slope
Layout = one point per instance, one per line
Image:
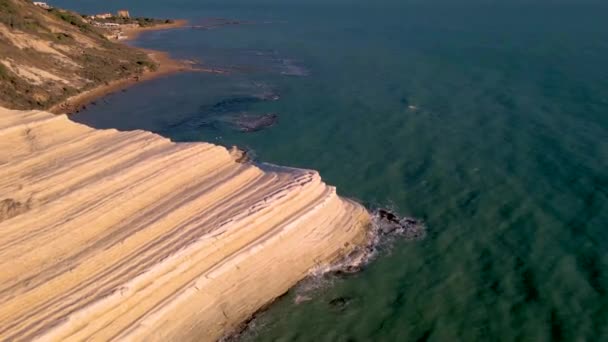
(49, 55)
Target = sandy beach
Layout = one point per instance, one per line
(133, 33)
(166, 65)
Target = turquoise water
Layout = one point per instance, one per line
(488, 122)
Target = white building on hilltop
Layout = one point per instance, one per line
(42, 5)
(103, 16)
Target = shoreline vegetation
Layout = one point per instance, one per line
(60, 61)
(135, 32)
(165, 65)
(125, 29)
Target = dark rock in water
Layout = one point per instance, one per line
(347, 270)
(387, 215)
(252, 123)
(410, 220)
(390, 224)
(231, 113)
(191, 122)
(233, 104)
(340, 302)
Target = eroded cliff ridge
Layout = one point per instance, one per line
(128, 236)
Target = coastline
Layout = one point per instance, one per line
(290, 216)
(133, 33)
(166, 65)
(198, 243)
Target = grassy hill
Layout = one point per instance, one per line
(49, 55)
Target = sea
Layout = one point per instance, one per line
(485, 120)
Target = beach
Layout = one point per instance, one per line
(165, 66)
(133, 33)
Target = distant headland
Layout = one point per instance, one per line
(58, 60)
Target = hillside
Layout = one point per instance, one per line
(47, 56)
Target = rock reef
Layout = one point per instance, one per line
(112, 235)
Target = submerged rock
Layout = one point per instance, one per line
(388, 216)
(232, 104)
(253, 123)
(388, 223)
(340, 303)
(231, 113)
(386, 228)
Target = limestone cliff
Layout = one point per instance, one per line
(128, 236)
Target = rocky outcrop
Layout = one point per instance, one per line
(129, 236)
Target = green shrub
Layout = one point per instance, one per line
(6, 6)
(4, 73)
(147, 64)
(63, 37)
(72, 19)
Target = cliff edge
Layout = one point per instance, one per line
(128, 236)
